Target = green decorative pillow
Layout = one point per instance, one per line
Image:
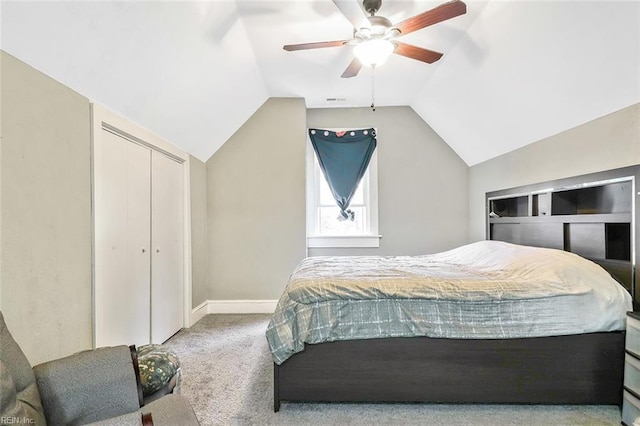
(157, 366)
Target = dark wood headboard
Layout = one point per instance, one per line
(593, 215)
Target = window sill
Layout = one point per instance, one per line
(341, 241)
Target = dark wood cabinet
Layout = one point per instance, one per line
(631, 392)
(592, 215)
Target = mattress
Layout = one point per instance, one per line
(484, 290)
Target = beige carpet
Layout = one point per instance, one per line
(228, 378)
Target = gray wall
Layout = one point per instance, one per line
(256, 204)
(199, 241)
(606, 143)
(422, 183)
(46, 213)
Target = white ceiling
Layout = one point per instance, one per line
(513, 72)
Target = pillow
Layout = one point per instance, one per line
(157, 366)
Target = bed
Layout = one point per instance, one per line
(489, 322)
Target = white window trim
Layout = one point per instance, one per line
(342, 241)
(370, 194)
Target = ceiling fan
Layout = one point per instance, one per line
(375, 40)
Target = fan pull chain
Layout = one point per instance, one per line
(373, 88)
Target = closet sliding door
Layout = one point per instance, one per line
(140, 216)
(167, 242)
(122, 205)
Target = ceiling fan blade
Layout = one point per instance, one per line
(353, 69)
(418, 53)
(438, 14)
(315, 45)
(354, 13)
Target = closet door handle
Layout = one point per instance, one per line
(144, 250)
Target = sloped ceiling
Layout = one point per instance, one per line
(513, 72)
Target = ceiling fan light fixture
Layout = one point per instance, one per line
(374, 52)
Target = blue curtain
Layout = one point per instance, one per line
(344, 158)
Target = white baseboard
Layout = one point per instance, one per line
(199, 312)
(242, 306)
(232, 307)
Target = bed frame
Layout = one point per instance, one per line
(573, 369)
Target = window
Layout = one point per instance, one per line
(324, 229)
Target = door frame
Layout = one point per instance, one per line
(103, 119)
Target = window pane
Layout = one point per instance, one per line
(326, 198)
(330, 225)
(325, 193)
(358, 197)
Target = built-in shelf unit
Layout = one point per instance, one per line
(592, 215)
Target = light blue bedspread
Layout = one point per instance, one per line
(487, 289)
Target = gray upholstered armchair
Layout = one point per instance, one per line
(98, 386)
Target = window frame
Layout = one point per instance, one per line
(313, 174)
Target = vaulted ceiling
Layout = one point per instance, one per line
(513, 72)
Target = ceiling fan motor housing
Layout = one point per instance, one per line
(379, 27)
(379, 22)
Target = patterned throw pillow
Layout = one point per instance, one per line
(157, 366)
